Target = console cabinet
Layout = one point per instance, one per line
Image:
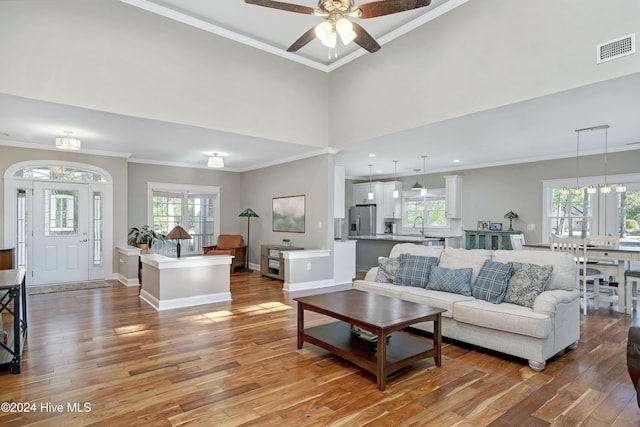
(489, 239)
(271, 260)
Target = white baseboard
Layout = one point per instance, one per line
(127, 281)
(183, 302)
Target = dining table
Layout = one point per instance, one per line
(622, 254)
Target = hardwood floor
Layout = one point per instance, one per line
(236, 363)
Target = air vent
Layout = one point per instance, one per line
(617, 48)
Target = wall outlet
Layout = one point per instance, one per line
(531, 227)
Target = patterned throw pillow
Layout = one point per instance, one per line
(528, 281)
(457, 281)
(414, 270)
(387, 269)
(492, 281)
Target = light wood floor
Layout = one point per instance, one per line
(236, 363)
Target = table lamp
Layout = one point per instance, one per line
(178, 233)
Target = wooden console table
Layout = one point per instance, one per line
(13, 300)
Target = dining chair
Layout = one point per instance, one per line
(517, 241)
(631, 279)
(610, 284)
(578, 248)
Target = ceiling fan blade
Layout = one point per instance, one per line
(282, 6)
(303, 40)
(381, 8)
(365, 39)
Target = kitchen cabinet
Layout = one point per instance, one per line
(453, 194)
(361, 191)
(392, 208)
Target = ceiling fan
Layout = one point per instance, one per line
(337, 14)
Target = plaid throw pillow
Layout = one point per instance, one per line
(492, 281)
(457, 281)
(414, 270)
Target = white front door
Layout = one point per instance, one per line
(60, 242)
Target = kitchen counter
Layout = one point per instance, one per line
(400, 237)
(369, 248)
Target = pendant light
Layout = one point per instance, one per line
(370, 194)
(396, 193)
(577, 190)
(423, 190)
(67, 143)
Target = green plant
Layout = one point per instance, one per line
(143, 235)
(632, 224)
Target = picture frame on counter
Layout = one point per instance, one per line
(484, 224)
(495, 226)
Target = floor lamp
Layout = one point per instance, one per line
(248, 213)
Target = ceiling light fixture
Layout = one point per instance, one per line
(423, 191)
(396, 193)
(417, 185)
(604, 188)
(370, 193)
(67, 143)
(215, 161)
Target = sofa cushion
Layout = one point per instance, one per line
(503, 317)
(438, 299)
(527, 282)
(457, 281)
(564, 266)
(414, 249)
(387, 269)
(463, 258)
(414, 270)
(492, 281)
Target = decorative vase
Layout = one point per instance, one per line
(144, 248)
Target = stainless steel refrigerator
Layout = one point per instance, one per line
(362, 220)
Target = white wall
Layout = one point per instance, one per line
(110, 56)
(478, 57)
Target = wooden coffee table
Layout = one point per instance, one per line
(378, 314)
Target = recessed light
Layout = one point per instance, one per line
(372, 155)
(456, 161)
(378, 171)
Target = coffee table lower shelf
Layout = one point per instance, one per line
(401, 350)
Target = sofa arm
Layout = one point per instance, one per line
(371, 274)
(547, 302)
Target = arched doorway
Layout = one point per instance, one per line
(58, 216)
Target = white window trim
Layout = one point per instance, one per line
(598, 222)
(409, 228)
(182, 188)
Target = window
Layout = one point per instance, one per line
(585, 214)
(196, 209)
(570, 214)
(427, 211)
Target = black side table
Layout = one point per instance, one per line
(13, 299)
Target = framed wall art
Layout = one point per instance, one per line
(288, 214)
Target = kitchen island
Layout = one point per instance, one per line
(369, 248)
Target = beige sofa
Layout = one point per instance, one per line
(534, 334)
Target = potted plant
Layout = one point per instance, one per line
(142, 237)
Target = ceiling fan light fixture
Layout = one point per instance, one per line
(331, 40)
(323, 30)
(346, 39)
(344, 26)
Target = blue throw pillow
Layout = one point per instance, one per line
(414, 270)
(492, 281)
(457, 281)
